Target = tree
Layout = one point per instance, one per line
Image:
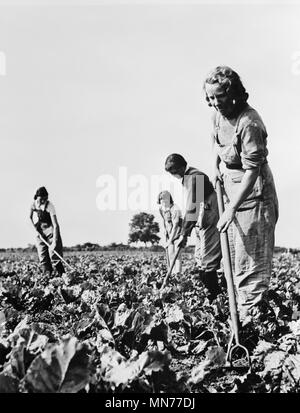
(143, 228)
(30, 247)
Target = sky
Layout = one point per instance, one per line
(95, 92)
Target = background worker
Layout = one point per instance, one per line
(44, 220)
(201, 212)
(172, 220)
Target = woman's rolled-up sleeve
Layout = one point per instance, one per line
(253, 145)
(176, 215)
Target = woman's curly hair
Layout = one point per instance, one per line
(230, 80)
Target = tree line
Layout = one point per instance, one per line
(143, 229)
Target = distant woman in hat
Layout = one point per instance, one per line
(43, 217)
(172, 220)
(241, 162)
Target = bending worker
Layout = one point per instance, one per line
(201, 212)
(46, 225)
(172, 221)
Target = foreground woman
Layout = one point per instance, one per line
(43, 217)
(251, 212)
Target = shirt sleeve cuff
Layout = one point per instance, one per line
(252, 161)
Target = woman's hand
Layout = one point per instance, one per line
(167, 244)
(181, 241)
(37, 229)
(167, 241)
(226, 218)
(52, 247)
(217, 176)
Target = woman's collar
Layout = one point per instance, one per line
(185, 171)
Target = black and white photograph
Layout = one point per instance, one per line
(149, 214)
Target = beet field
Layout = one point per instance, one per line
(103, 328)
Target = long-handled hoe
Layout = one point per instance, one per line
(237, 348)
(168, 257)
(56, 253)
(170, 268)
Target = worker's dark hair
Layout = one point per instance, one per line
(165, 194)
(230, 80)
(175, 163)
(42, 191)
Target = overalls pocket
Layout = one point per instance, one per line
(255, 196)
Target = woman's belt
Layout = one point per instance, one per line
(234, 166)
(240, 166)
